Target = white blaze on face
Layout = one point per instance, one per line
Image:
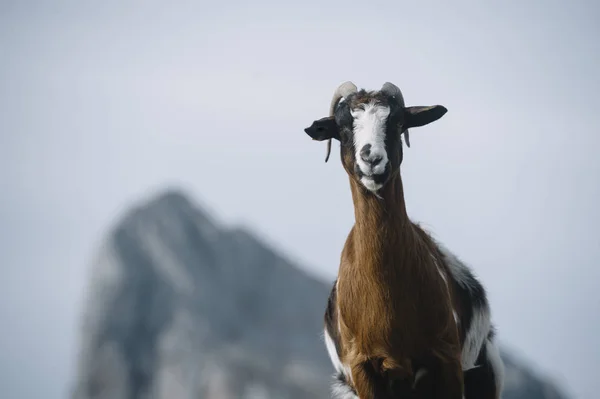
(369, 129)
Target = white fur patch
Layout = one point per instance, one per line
(457, 268)
(346, 368)
(332, 352)
(443, 276)
(418, 375)
(339, 390)
(370, 184)
(476, 336)
(369, 128)
(497, 364)
(481, 320)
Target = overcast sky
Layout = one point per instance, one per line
(104, 105)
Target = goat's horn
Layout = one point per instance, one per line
(392, 90)
(343, 90)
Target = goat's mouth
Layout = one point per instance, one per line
(372, 182)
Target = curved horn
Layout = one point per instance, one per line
(343, 90)
(392, 90)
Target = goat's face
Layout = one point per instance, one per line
(369, 126)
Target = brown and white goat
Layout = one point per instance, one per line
(402, 306)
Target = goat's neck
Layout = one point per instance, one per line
(381, 221)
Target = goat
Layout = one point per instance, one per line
(404, 314)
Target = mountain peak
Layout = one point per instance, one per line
(173, 197)
(173, 201)
(172, 213)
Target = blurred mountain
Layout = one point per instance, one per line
(181, 307)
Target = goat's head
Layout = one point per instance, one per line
(369, 125)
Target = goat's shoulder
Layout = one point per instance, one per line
(459, 272)
(464, 277)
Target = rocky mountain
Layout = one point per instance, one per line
(181, 307)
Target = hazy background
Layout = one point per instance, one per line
(101, 104)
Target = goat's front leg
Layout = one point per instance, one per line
(447, 380)
(367, 382)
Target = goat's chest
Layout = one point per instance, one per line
(374, 303)
(370, 300)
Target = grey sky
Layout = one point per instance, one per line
(102, 105)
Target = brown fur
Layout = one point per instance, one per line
(394, 307)
(363, 97)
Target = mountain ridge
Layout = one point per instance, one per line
(177, 301)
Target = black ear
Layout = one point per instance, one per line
(421, 116)
(323, 129)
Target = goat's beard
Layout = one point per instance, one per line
(370, 184)
(373, 183)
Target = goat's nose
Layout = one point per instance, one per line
(365, 155)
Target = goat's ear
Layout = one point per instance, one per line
(323, 129)
(421, 116)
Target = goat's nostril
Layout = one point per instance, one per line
(365, 152)
(365, 155)
(375, 160)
